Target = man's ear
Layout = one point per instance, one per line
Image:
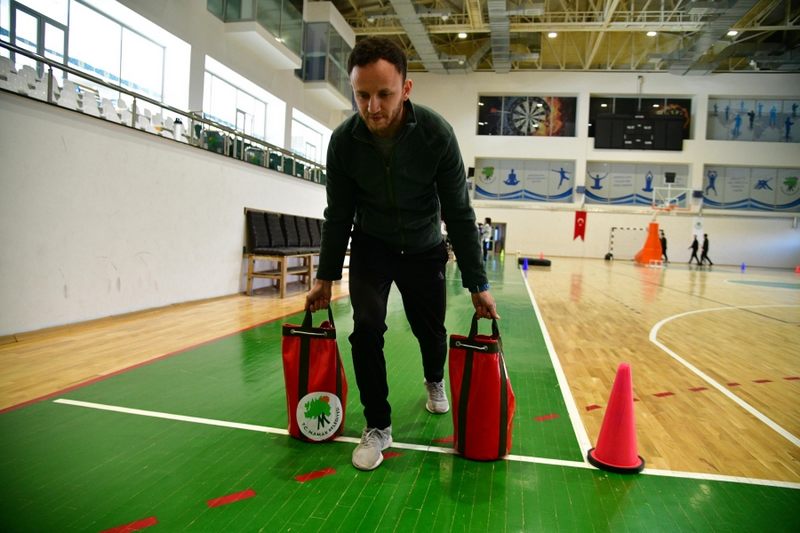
(407, 88)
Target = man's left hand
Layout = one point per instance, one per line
(484, 305)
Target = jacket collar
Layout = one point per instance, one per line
(362, 133)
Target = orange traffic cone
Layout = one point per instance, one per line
(797, 269)
(616, 445)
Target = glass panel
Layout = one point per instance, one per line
(54, 9)
(53, 43)
(94, 43)
(269, 15)
(259, 119)
(291, 32)
(5, 25)
(142, 65)
(216, 8)
(26, 37)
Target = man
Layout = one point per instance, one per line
(663, 240)
(393, 171)
(704, 255)
(694, 246)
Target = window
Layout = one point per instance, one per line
(309, 137)
(236, 102)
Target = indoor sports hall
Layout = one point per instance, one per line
(141, 320)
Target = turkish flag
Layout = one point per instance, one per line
(580, 225)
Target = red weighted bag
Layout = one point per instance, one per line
(316, 387)
(483, 401)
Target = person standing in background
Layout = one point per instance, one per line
(664, 246)
(486, 236)
(704, 255)
(694, 246)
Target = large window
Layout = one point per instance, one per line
(125, 57)
(309, 137)
(236, 102)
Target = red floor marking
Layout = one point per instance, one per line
(389, 455)
(230, 498)
(133, 526)
(664, 394)
(451, 438)
(698, 389)
(792, 378)
(734, 384)
(593, 407)
(546, 417)
(302, 478)
(762, 381)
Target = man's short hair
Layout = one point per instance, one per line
(371, 49)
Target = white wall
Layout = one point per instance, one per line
(97, 219)
(756, 240)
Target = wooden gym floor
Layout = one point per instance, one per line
(172, 418)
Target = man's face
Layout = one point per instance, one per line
(380, 93)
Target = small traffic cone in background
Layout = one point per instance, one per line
(797, 269)
(744, 267)
(616, 449)
(525, 264)
(541, 255)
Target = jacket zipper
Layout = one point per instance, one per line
(393, 201)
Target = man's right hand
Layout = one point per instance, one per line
(319, 297)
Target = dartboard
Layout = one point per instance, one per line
(526, 114)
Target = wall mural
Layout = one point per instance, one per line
(552, 116)
(752, 189)
(742, 119)
(524, 179)
(632, 183)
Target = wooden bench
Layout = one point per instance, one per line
(287, 242)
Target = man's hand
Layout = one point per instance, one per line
(484, 305)
(319, 297)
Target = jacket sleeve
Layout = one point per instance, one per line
(339, 215)
(457, 213)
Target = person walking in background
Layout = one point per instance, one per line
(694, 246)
(664, 246)
(486, 237)
(396, 236)
(704, 256)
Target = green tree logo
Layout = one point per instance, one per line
(319, 415)
(319, 408)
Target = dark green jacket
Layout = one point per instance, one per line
(401, 202)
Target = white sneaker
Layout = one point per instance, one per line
(368, 454)
(437, 399)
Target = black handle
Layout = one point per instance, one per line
(473, 330)
(307, 322)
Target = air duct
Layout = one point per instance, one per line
(690, 60)
(501, 35)
(418, 35)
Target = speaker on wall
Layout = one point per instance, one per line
(669, 177)
(471, 172)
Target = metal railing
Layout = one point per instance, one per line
(200, 131)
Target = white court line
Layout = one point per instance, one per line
(419, 447)
(711, 381)
(569, 400)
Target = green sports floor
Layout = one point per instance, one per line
(196, 441)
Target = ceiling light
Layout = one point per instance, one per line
(371, 19)
(655, 105)
(462, 35)
(552, 35)
(652, 33)
(603, 105)
(732, 33)
(445, 17)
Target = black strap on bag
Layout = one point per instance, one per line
(466, 380)
(306, 332)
